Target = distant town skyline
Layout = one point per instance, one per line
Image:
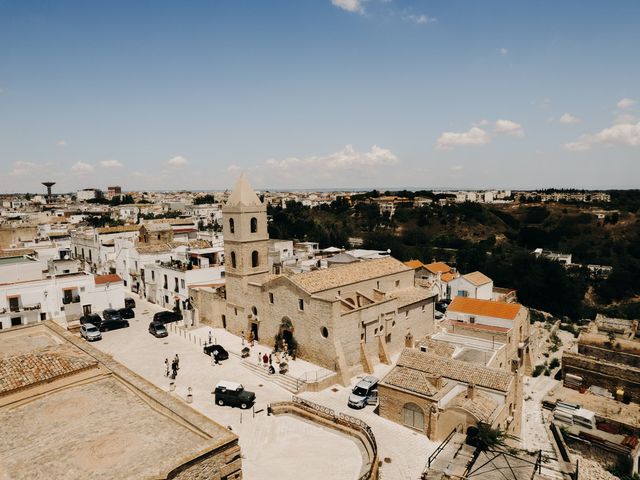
(326, 95)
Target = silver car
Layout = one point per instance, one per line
(364, 393)
(90, 332)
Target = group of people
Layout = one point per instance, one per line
(171, 369)
(251, 339)
(267, 360)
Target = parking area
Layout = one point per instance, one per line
(272, 446)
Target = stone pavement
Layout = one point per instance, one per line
(273, 447)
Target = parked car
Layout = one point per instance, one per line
(90, 332)
(442, 305)
(364, 393)
(166, 317)
(222, 353)
(127, 313)
(129, 303)
(234, 394)
(112, 320)
(92, 318)
(158, 330)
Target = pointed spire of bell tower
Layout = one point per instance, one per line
(243, 194)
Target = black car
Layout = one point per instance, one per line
(166, 317)
(222, 353)
(129, 303)
(112, 320)
(234, 394)
(442, 305)
(158, 330)
(92, 318)
(127, 313)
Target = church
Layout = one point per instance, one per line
(346, 318)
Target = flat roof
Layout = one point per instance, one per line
(112, 423)
(15, 260)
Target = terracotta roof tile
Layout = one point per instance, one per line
(414, 264)
(477, 278)
(434, 366)
(485, 308)
(438, 267)
(102, 279)
(413, 380)
(21, 371)
(320, 280)
(120, 229)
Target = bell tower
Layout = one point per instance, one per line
(246, 244)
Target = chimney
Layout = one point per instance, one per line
(471, 391)
(438, 382)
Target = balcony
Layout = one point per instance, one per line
(20, 308)
(69, 300)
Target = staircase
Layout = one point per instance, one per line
(286, 381)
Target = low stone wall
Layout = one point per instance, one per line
(343, 423)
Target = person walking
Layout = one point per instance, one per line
(265, 360)
(166, 367)
(242, 337)
(174, 369)
(210, 342)
(259, 358)
(177, 360)
(215, 357)
(213, 360)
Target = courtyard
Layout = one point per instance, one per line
(271, 446)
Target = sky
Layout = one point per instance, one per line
(327, 94)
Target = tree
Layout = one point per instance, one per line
(204, 200)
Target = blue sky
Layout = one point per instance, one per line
(319, 94)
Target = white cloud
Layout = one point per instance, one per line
(61, 143)
(23, 168)
(419, 19)
(349, 5)
(345, 159)
(503, 51)
(569, 119)
(178, 161)
(81, 168)
(508, 127)
(347, 167)
(624, 118)
(450, 140)
(626, 134)
(111, 164)
(476, 136)
(626, 103)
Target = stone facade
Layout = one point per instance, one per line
(451, 401)
(347, 318)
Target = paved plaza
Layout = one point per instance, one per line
(272, 447)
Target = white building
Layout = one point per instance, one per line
(88, 194)
(472, 285)
(29, 295)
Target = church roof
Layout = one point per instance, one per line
(340, 275)
(243, 194)
(433, 365)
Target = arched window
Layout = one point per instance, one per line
(233, 259)
(254, 224)
(254, 259)
(232, 228)
(413, 416)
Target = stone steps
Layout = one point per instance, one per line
(287, 382)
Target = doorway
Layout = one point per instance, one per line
(86, 310)
(254, 331)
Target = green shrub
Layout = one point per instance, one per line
(538, 370)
